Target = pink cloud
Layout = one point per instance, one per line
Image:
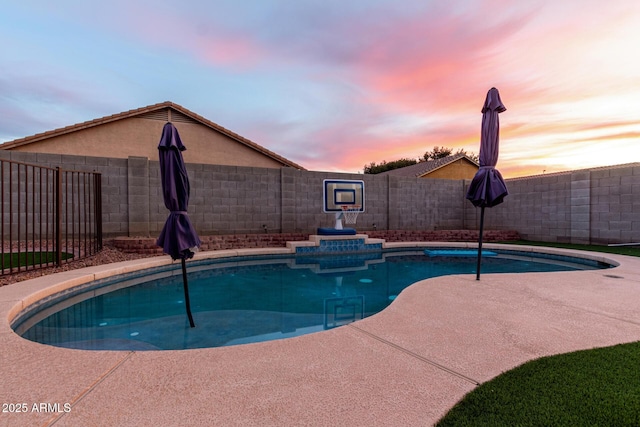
(205, 34)
(437, 60)
(367, 82)
(434, 61)
(228, 52)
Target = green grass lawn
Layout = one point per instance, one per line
(599, 387)
(22, 259)
(620, 250)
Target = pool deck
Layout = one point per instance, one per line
(407, 365)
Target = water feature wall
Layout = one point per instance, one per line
(328, 245)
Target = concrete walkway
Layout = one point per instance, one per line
(406, 366)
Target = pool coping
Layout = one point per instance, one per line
(437, 355)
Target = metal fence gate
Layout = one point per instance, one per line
(49, 216)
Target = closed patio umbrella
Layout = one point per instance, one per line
(178, 238)
(488, 188)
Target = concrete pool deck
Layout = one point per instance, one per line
(407, 365)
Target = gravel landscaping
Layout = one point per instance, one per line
(107, 255)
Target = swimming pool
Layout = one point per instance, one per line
(250, 299)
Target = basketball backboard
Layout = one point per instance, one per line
(343, 192)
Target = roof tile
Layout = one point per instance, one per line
(423, 168)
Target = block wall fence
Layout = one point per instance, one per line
(601, 205)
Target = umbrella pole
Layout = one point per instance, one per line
(186, 292)
(480, 243)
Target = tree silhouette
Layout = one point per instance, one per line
(437, 153)
(442, 152)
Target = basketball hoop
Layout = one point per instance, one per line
(350, 213)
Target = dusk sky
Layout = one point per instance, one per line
(334, 85)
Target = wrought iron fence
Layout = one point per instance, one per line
(49, 216)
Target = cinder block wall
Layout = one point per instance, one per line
(540, 207)
(615, 201)
(598, 206)
(601, 205)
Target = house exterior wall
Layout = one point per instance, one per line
(594, 206)
(460, 169)
(139, 137)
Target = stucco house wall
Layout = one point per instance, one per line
(459, 169)
(136, 133)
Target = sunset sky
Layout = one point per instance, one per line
(334, 85)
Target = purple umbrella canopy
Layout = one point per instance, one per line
(178, 236)
(488, 188)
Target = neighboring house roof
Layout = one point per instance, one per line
(424, 168)
(181, 114)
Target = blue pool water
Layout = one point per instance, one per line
(242, 300)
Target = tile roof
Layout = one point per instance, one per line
(423, 168)
(147, 111)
